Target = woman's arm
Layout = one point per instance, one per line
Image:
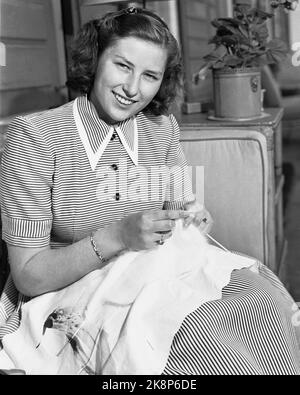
(39, 270)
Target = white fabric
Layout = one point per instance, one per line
(131, 310)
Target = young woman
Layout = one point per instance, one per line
(79, 187)
(127, 68)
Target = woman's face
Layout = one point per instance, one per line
(128, 76)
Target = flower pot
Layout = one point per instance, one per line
(237, 93)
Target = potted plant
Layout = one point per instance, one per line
(241, 48)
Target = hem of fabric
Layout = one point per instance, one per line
(178, 204)
(24, 232)
(20, 241)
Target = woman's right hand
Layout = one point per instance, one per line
(143, 230)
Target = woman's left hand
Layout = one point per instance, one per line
(199, 216)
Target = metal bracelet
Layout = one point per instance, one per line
(97, 252)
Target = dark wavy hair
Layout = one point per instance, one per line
(99, 34)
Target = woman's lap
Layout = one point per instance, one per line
(248, 331)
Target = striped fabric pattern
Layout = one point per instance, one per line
(50, 194)
(11, 302)
(247, 332)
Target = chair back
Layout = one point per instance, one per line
(235, 167)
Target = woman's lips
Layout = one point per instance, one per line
(123, 100)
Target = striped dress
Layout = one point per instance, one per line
(66, 173)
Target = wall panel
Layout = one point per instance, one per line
(196, 30)
(25, 19)
(30, 67)
(29, 35)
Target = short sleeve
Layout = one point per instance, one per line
(26, 177)
(179, 190)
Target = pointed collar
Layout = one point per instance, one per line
(95, 134)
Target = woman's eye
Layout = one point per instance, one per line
(123, 66)
(151, 77)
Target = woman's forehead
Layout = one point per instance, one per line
(139, 52)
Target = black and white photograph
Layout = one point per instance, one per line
(150, 190)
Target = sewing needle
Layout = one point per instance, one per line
(216, 242)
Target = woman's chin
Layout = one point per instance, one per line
(119, 116)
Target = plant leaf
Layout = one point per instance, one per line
(262, 15)
(233, 61)
(216, 54)
(228, 22)
(261, 32)
(276, 51)
(201, 74)
(241, 10)
(243, 31)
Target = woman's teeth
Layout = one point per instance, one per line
(122, 100)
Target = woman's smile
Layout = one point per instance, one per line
(123, 100)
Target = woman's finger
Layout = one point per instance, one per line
(205, 224)
(201, 219)
(163, 225)
(189, 220)
(158, 215)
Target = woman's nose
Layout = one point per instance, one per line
(131, 86)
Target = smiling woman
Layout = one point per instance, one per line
(102, 243)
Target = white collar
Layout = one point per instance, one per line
(83, 111)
